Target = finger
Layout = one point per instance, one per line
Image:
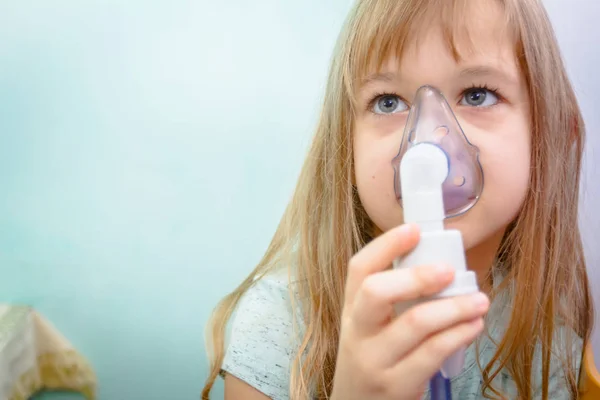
(379, 292)
(379, 255)
(423, 321)
(426, 360)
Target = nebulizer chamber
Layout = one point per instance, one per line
(437, 176)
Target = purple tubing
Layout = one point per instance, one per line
(440, 388)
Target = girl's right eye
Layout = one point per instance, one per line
(388, 104)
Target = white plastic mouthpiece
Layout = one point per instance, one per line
(423, 170)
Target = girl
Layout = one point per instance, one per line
(315, 318)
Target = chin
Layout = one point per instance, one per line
(474, 232)
(477, 234)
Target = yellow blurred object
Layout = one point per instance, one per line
(35, 356)
(589, 385)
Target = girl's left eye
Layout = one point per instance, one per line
(479, 97)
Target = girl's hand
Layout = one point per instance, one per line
(382, 356)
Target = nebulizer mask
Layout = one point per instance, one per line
(432, 122)
(437, 176)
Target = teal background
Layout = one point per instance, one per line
(147, 151)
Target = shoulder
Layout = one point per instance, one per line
(262, 339)
(565, 356)
(565, 343)
(567, 346)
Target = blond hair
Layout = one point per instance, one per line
(325, 223)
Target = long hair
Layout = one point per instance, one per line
(325, 223)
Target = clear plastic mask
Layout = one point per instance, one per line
(431, 120)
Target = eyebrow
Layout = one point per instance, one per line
(470, 72)
(488, 72)
(379, 77)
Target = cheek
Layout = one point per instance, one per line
(374, 177)
(505, 158)
(373, 168)
(507, 171)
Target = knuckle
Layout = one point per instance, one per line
(422, 273)
(423, 279)
(365, 360)
(354, 265)
(362, 353)
(376, 384)
(442, 344)
(463, 306)
(346, 346)
(369, 288)
(346, 325)
(366, 364)
(350, 345)
(414, 318)
(390, 384)
(375, 379)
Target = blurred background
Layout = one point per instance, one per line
(147, 152)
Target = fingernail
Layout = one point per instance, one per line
(481, 301)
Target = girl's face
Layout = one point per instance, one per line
(488, 95)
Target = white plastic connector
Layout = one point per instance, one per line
(423, 169)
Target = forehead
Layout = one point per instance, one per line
(455, 32)
(483, 44)
(482, 29)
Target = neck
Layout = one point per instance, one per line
(481, 258)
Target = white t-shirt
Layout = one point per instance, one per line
(262, 346)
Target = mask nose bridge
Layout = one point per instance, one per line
(430, 110)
